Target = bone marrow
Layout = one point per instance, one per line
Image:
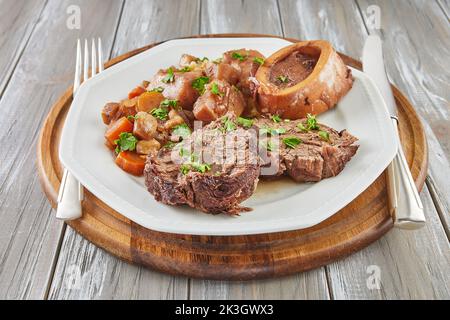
(306, 77)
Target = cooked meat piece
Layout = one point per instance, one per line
(222, 71)
(145, 126)
(110, 112)
(197, 172)
(179, 87)
(244, 61)
(187, 59)
(321, 153)
(219, 98)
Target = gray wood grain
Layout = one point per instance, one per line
(102, 275)
(30, 233)
(341, 23)
(417, 47)
(253, 17)
(18, 18)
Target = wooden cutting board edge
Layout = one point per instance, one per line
(233, 258)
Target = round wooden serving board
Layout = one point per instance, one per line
(357, 225)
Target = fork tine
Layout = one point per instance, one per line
(94, 59)
(100, 55)
(77, 78)
(86, 61)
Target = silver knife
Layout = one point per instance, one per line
(405, 204)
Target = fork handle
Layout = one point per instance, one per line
(69, 199)
(406, 205)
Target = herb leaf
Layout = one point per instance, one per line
(169, 103)
(259, 60)
(270, 145)
(238, 56)
(170, 76)
(199, 84)
(283, 79)
(182, 131)
(272, 131)
(292, 142)
(324, 135)
(126, 142)
(276, 118)
(169, 145)
(302, 127)
(185, 69)
(228, 125)
(161, 113)
(311, 122)
(157, 89)
(246, 123)
(215, 90)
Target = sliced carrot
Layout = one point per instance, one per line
(149, 101)
(131, 162)
(136, 92)
(116, 128)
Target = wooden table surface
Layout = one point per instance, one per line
(41, 258)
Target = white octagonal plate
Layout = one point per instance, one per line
(277, 206)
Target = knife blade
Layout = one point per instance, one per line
(405, 205)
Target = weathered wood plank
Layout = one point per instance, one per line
(18, 18)
(256, 17)
(102, 275)
(417, 46)
(30, 234)
(341, 23)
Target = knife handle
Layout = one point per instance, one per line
(406, 206)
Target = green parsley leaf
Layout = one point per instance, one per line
(276, 118)
(199, 84)
(259, 60)
(201, 167)
(324, 135)
(182, 131)
(302, 127)
(238, 56)
(283, 79)
(292, 142)
(246, 123)
(131, 117)
(217, 61)
(157, 89)
(184, 153)
(169, 103)
(161, 113)
(228, 125)
(169, 145)
(186, 69)
(126, 142)
(270, 145)
(170, 77)
(215, 90)
(185, 168)
(311, 122)
(272, 131)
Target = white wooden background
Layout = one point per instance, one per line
(39, 255)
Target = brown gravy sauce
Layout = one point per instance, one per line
(293, 69)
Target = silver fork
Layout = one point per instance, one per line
(71, 191)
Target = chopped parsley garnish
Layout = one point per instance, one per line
(276, 118)
(199, 84)
(131, 117)
(201, 167)
(169, 145)
(170, 76)
(161, 113)
(302, 127)
(157, 89)
(182, 131)
(292, 142)
(217, 61)
(259, 60)
(185, 168)
(194, 164)
(324, 135)
(185, 69)
(272, 131)
(270, 146)
(215, 90)
(126, 142)
(169, 103)
(246, 123)
(238, 56)
(184, 153)
(283, 79)
(311, 122)
(228, 125)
